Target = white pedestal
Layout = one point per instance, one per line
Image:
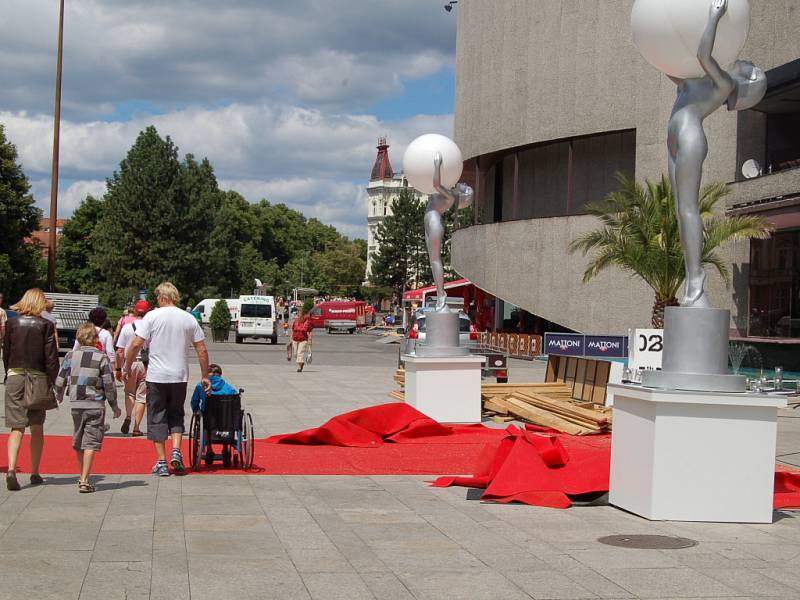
(447, 389)
(693, 456)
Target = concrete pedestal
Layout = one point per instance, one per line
(446, 388)
(693, 456)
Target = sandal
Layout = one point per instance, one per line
(11, 481)
(84, 487)
(36, 479)
(137, 433)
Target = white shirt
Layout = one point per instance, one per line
(127, 335)
(171, 332)
(106, 341)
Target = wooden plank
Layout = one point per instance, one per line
(501, 419)
(562, 406)
(552, 368)
(398, 395)
(494, 404)
(544, 418)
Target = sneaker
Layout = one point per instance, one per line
(126, 425)
(160, 469)
(36, 479)
(177, 461)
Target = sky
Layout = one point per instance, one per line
(286, 98)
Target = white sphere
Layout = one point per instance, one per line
(668, 32)
(418, 162)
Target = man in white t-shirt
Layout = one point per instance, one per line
(135, 386)
(170, 332)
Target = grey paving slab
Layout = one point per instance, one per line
(245, 579)
(473, 584)
(680, 582)
(41, 573)
(117, 581)
(336, 586)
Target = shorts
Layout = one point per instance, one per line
(17, 416)
(300, 351)
(135, 386)
(165, 414)
(89, 428)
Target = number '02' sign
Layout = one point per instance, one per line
(646, 349)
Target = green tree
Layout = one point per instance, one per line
(156, 223)
(639, 233)
(76, 247)
(19, 218)
(401, 260)
(220, 321)
(233, 257)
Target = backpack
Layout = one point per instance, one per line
(144, 353)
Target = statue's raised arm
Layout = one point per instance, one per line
(717, 74)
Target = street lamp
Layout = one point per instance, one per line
(51, 252)
(449, 6)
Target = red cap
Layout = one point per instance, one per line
(142, 306)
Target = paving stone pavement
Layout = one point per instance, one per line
(330, 537)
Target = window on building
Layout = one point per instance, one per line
(775, 286)
(770, 133)
(559, 178)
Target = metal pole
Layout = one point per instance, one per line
(51, 253)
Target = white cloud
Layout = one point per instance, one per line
(69, 196)
(313, 161)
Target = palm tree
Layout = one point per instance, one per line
(639, 233)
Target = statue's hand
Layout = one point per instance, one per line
(437, 160)
(465, 195)
(718, 8)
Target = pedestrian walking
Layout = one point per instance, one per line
(87, 380)
(301, 337)
(47, 313)
(170, 332)
(135, 379)
(30, 358)
(128, 315)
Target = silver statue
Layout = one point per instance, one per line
(438, 204)
(742, 88)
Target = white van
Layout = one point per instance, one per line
(207, 305)
(257, 318)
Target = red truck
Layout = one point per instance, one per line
(339, 315)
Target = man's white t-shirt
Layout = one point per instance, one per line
(171, 333)
(106, 341)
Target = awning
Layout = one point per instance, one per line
(417, 295)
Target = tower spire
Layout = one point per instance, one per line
(382, 169)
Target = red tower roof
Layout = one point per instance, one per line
(382, 169)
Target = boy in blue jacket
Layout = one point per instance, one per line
(219, 387)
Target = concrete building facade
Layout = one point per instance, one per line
(552, 99)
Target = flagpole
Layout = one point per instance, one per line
(51, 253)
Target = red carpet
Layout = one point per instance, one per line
(533, 466)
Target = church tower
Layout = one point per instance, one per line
(383, 187)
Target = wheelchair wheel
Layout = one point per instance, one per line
(195, 440)
(246, 442)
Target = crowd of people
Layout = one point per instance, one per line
(146, 353)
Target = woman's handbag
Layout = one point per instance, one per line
(38, 392)
(308, 353)
(289, 351)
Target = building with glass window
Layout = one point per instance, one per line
(553, 99)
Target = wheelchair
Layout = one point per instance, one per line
(225, 422)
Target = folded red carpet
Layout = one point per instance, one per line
(366, 427)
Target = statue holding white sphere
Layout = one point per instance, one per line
(433, 165)
(661, 30)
